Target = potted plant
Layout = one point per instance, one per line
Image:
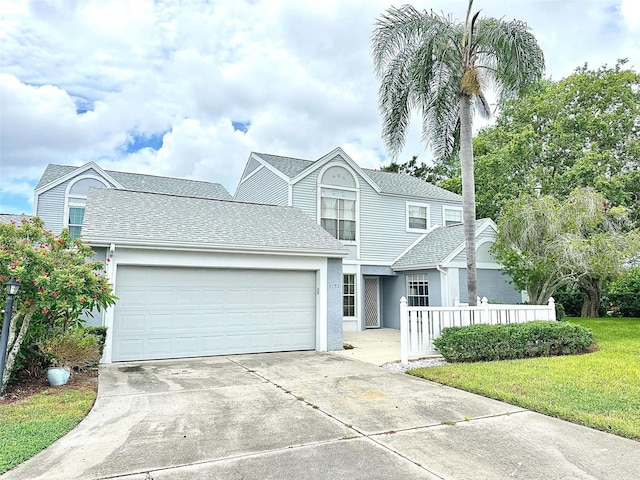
(67, 350)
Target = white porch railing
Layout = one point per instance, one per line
(419, 326)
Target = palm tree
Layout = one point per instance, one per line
(435, 65)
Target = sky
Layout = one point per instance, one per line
(189, 88)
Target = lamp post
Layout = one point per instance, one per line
(12, 289)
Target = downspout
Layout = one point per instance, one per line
(446, 289)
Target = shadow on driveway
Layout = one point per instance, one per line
(313, 415)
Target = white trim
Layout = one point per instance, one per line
(415, 242)
(331, 157)
(158, 258)
(450, 207)
(420, 205)
(77, 172)
(269, 166)
(69, 199)
(253, 172)
(199, 247)
(486, 223)
(355, 189)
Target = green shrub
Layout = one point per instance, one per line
(100, 333)
(72, 348)
(571, 299)
(542, 338)
(624, 294)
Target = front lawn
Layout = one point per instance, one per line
(29, 425)
(600, 390)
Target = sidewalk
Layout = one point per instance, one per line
(376, 345)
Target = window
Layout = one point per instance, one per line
(338, 216)
(452, 216)
(76, 215)
(417, 217)
(417, 291)
(349, 295)
(75, 202)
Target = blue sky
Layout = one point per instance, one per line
(190, 88)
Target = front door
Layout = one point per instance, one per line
(371, 302)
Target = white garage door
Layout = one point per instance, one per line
(167, 312)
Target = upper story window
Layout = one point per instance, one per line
(452, 215)
(338, 203)
(418, 217)
(76, 200)
(338, 217)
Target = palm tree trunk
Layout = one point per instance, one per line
(468, 195)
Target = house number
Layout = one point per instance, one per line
(335, 285)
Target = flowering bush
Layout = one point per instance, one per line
(58, 281)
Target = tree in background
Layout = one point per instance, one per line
(545, 244)
(441, 68)
(583, 131)
(58, 283)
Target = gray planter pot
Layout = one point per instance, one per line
(58, 375)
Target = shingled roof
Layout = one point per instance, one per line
(435, 247)
(146, 183)
(132, 217)
(388, 182)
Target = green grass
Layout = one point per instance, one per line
(30, 425)
(600, 390)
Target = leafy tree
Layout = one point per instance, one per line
(582, 131)
(545, 244)
(441, 68)
(624, 293)
(429, 173)
(58, 282)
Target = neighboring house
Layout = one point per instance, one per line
(404, 235)
(13, 218)
(197, 274)
(61, 193)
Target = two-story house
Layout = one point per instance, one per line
(195, 272)
(404, 235)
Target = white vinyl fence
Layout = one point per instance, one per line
(419, 326)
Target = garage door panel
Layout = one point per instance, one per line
(211, 312)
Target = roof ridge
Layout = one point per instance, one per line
(144, 192)
(284, 156)
(162, 176)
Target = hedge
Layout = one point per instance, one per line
(100, 333)
(541, 338)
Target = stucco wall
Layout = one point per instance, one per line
(491, 284)
(334, 304)
(394, 288)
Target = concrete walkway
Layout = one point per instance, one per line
(376, 345)
(308, 415)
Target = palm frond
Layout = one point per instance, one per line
(510, 54)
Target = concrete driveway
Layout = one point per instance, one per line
(313, 415)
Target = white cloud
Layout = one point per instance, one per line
(299, 72)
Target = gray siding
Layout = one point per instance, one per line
(263, 186)
(51, 208)
(488, 233)
(51, 203)
(394, 288)
(492, 284)
(305, 195)
(382, 221)
(334, 304)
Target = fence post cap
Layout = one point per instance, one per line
(551, 300)
(403, 300)
(485, 300)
